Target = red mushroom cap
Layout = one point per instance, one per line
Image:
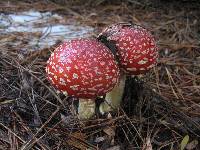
(84, 68)
(136, 47)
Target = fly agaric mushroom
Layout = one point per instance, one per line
(83, 68)
(136, 51)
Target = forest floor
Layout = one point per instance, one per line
(159, 111)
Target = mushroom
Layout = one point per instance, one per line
(83, 68)
(136, 52)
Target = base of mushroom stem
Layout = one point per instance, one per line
(86, 108)
(114, 97)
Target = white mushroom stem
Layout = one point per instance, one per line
(86, 108)
(114, 97)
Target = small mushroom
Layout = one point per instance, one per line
(83, 68)
(136, 52)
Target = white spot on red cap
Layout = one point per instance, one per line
(141, 62)
(61, 70)
(75, 76)
(65, 93)
(68, 68)
(55, 77)
(74, 87)
(131, 69)
(62, 81)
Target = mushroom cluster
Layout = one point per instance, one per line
(88, 68)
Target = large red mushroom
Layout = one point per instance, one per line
(83, 68)
(136, 51)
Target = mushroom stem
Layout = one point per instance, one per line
(86, 108)
(114, 97)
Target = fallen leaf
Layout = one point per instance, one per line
(184, 142)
